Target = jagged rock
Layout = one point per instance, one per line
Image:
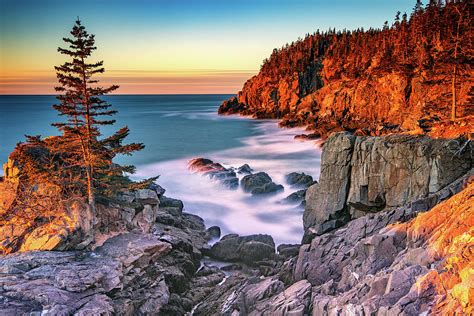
(216, 171)
(231, 106)
(214, 232)
(72, 230)
(160, 191)
(295, 300)
(131, 273)
(259, 183)
(288, 250)
(299, 179)
(326, 200)
(145, 218)
(245, 169)
(297, 197)
(361, 175)
(166, 202)
(147, 196)
(248, 249)
(389, 263)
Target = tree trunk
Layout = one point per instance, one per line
(453, 88)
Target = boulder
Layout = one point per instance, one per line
(297, 197)
(225, 176)
(147, 196)
(299, 179)
(245, 169)
(259, 183)
(248, 249)
(166, 202)
(288, 250)
(214, 232)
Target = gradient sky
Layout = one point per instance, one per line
(168, 46)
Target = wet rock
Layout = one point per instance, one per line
(248, 249)
(166, 202)
(297, 197)
(226, 176)
(245, 169)
(288, 250)
(259, 183)
(214, 232)
(299, 179)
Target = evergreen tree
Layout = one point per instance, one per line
(85, 111)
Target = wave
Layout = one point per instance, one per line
(272, 150)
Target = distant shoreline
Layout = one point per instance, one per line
(119, 94)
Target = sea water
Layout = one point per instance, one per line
(178, 128)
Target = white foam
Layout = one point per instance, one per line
(274, 151)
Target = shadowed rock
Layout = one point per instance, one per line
(216, 171)
(299, 179)
(248, 249)
(259, 183)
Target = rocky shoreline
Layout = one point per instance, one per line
(368, 247)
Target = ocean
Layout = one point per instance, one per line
(177, 128)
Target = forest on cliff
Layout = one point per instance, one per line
(422, 61)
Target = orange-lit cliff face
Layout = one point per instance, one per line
(449, 233)
(374, 81)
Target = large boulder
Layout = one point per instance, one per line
(299, 179)
(259, 183)
(248, 249)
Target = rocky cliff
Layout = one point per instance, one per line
(363, 175)
(374, 82)
(395, 262)
(388, 232)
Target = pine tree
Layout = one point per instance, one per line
(85, 111)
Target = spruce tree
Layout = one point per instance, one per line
(81, 103)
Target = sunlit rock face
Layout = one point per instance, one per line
(448, 233)
(361, 175)
(321, 98)
(386, 263)
(8, 185)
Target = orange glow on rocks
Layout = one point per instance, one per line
(449, 231)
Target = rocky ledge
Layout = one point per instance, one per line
(364, 175)
(389, 228)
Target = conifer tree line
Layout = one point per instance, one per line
(80, 159)
(435, 38)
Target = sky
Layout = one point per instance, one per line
(168, 46)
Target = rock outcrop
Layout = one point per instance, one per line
(395, 262)
(247, 249)
(300, 180)
(214, 170)
(144, 266)
(371, 82)
(259, 183)
(361, 175)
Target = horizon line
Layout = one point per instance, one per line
(53, 95)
